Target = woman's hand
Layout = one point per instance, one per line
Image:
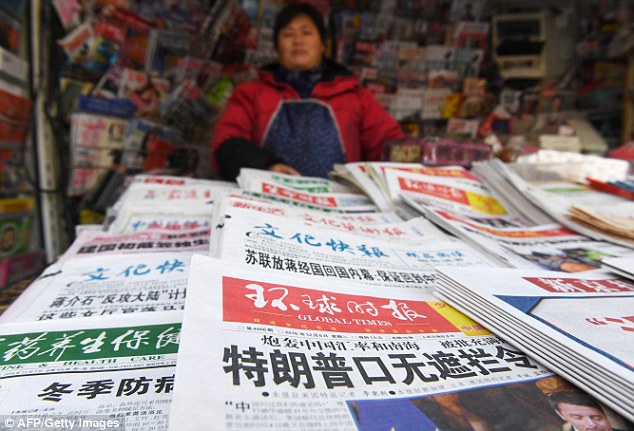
(281, 168)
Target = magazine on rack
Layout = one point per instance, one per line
(578, 325)
(96, 144)
(104, 373)
(262, 350)
(15, 116)
(164, 50)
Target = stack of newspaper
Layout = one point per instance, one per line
(312, 310)
(624, 266)
(153, 202)
(514, 244)
(451, 188)
(308, 192)
(108, 373)
(615, 221)
(265, 350)
(595, 214)
(503, 180)
(369, 177)
(93, 340)
(579, 326)
(297, 326)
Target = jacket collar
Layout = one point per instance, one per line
(336, 78)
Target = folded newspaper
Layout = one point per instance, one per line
(595, 214)
(261, 350)
(101, 373)
(307, 192)
(624, 266)
(107, 285)
(450, 188)
(549, 246)
(580, 326)
(96, 243)
(282, 244)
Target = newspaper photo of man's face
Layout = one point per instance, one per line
(526, 406)
(580, 411)
(584, 418)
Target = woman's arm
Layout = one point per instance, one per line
(233, 145)
(236, 153)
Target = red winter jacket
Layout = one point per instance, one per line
(362, 122)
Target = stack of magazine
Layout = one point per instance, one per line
(580, 326)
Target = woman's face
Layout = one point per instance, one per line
(299, 45)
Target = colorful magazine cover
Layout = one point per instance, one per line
(10, 30)
(15, 115)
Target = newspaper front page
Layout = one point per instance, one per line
(149, 193)
(385, 226)
(308, 215)
(251, 179)
(109, 285)
(172, 180)
(174, 217)
(263, 241)
(306, 192)
(87, 374)
(261, 350)
(93, 243)
(454, 190)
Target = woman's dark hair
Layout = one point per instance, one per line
(286, 15)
